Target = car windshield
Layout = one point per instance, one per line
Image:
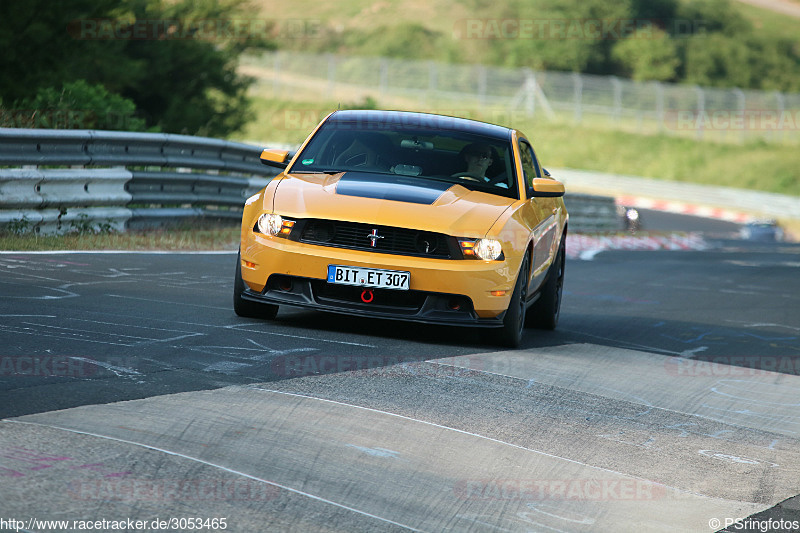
(475, 161)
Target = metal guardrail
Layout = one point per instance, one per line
(591, 214)
(134, 180)
(125, 179)
(756, 204)
(119, 148)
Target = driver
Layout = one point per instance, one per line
(479, 157)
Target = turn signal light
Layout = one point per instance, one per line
(286, 227)
(467, 248)
(275, 225)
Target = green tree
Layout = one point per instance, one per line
(175, 59)
(647, 55)
(722, 50)
(710, 16)
(774, 64)
(40, 49)
(191, 85)
(570, 35)
(716, 60)
(406, 41)
(658, 12)
(79, 105)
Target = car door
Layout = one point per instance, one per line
(542, 212)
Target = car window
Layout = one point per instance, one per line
(530, 165)
(536, 166)
(473, 161)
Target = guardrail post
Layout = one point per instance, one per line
(781, 105)
(742, 101)
(660, 113)
(617, 85)
(701, 110)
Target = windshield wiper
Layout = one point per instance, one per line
(317, 171)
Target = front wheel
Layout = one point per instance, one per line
(246, 308)
(510, 335)
(545, 312)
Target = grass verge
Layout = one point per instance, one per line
(151, 240)
(756, 165)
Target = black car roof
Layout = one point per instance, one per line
(372, 119)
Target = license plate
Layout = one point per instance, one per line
(369, 277)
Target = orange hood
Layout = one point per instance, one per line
(388, 200)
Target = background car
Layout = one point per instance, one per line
(762, 230)
(407, 216)
(630, 218)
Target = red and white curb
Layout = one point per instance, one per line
(587, 246)
(682, 208)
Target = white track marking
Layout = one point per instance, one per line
(28, 316)
(717, 418)
(166, 302)
(120, 371)
(235, 327)
(220, 467)
(479, 436)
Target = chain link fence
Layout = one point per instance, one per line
(727, 115)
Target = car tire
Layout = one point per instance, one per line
(545, 312)
(246, 308)
(510, 335)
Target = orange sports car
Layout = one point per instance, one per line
(408, 216)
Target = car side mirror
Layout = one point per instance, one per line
(546, 188)
(276, 158)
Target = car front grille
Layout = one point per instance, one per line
(386, 239)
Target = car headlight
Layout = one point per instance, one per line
(272, 224)
(488, 249)
(485, 249)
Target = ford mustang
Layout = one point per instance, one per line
(408, 216)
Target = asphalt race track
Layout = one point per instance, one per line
(667, 400)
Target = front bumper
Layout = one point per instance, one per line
(435, 284)
(414, 306)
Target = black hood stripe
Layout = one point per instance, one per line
(390, 187)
